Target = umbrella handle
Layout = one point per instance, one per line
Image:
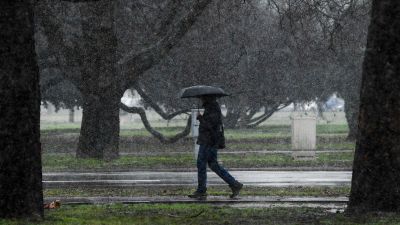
(198, 108)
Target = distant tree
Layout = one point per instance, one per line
(267, 57)
(376, 171)
(55, 89)
(20, 150)
(229, 47)
(94, 61)
(341, 28)
(99, 82)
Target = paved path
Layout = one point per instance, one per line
(287, 152)
(224, 152)
(210, 199)
(249, 178)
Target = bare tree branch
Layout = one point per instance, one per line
(136, 63)
(55, 36)
(266, 115)
(156, 134)
(167, 18)
(154, 105)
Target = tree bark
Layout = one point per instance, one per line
(20, 150)
(99, 136)
(376, 170)
(102, 91)
(352, 102)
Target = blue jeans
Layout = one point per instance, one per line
(208, 155)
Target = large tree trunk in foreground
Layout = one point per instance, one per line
(376, 171)
(20, 151)
(99, 135)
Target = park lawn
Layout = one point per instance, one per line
(153, 191)
(283, 131)
(49, 127)
(272, 137)
(54, 145)
(68, 162)
(332, 129)
(65, 144)
(196, 214)
(256, 133)
(254, 146)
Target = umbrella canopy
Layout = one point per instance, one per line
(202, 90)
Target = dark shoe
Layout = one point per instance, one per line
(236, 189)
(198, 195)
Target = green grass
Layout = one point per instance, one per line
(256, 146)
(287, 146)
(167, 131)
(51, 144)
(283, 160)
(347, 145)
(183, 191)
(68, 162)
(259, 132)
(47, 127)
(58, 162)
(195, 214)
(332, 129)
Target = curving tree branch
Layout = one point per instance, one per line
(156, 134)
(267, 114)
(156, 107)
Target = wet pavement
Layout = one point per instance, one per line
(146, 178)
(230, 152)
(236, 152)
(210, 199)
(332, 207)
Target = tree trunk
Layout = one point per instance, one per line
(99, 137)
(376, 170)
(102, 91)
(231, 119)
(244, 119)
(352, 102)
(71, 115)
(20, 151)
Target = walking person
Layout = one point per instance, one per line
(210, 139)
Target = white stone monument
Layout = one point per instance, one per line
(304, 137)
(195, 130)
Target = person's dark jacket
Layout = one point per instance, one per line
(210, 125)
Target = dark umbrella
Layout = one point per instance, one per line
(202, 90)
